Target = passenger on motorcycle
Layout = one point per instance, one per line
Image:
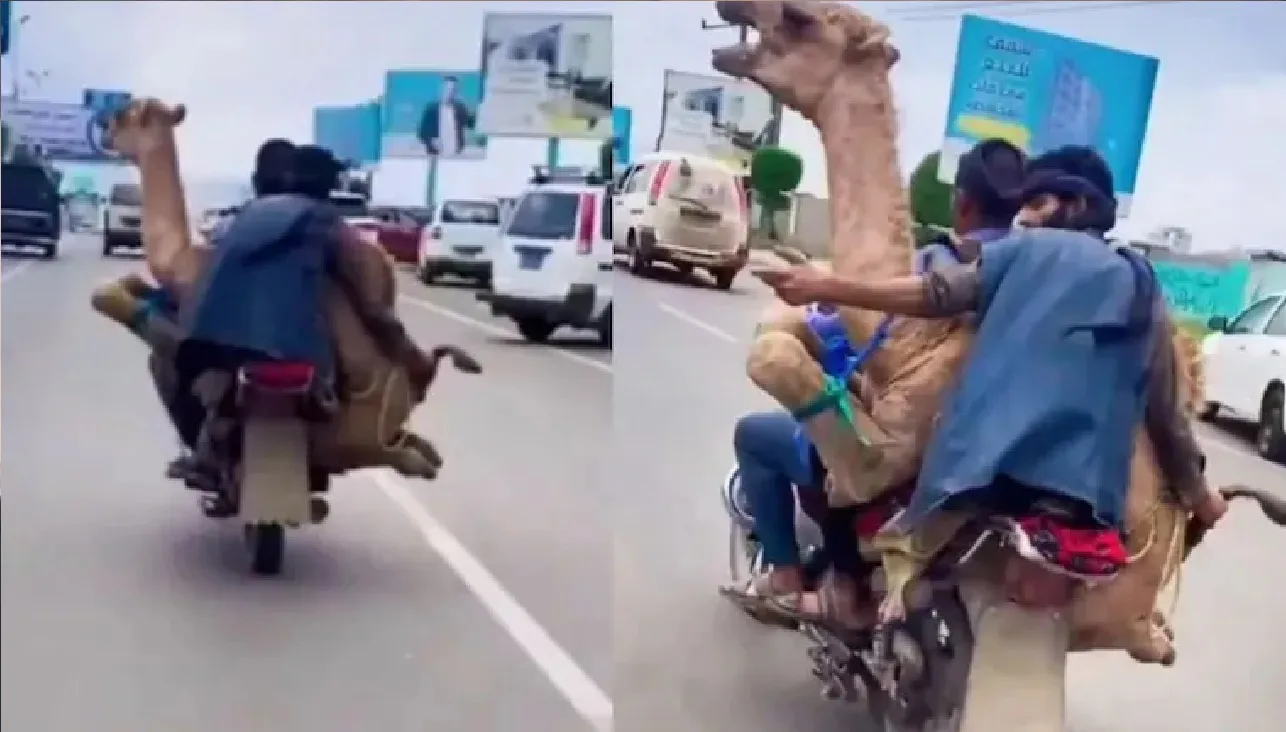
(767, 447)
(1072, 351)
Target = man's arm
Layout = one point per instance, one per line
(945, 292)
(1178, 454)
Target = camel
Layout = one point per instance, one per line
(367, 430)
(831, 64)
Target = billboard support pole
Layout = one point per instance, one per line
(552, 152)
(431, 183)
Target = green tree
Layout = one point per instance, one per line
(775, 173)
(930, 199)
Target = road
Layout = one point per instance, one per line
(687, 660)
(478, 602)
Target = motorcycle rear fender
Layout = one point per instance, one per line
(1017, 676)
(274, 480)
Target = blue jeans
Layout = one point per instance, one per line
(771, 463)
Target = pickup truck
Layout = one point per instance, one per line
(1246, 371)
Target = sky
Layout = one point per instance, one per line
(1212, 163)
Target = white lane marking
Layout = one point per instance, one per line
(699, 324)
(586, 697)
(500, 332)
(14, 271)
(720, 334)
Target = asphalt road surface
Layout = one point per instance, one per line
(687, 660)
(480, 602)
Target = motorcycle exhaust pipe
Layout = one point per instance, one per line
(1017, 677)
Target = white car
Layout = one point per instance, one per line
(460, 240)
(553, 266)
(683, 210)
(123, 219)
(1246, 371)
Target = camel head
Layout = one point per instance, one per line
(803, 48)
(143, 126)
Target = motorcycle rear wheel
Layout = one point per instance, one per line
(267, 546)
(932, 703)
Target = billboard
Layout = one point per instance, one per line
(715, 116)
(59, 132)
(1042, 91)
(622, 125)
(351, 133)
(432, 114)
(547, 76)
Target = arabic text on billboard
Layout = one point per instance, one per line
(1042, 91)
(715, 116)
(547, 76)
(432, 113)
(60, 132)
(352, 134)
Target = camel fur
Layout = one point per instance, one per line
(831, 63)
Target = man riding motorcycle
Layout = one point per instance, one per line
(767, 444)
(1072, 351)
(309, 236)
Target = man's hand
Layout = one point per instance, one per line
(798, 285)
(143, 126)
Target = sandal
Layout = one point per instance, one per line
(827, 608)
(763, 601)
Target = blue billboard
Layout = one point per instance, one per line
(6, 15)
(432, 114)
(622, 122)
(1042, 91)
(351, 133)
(104, 101)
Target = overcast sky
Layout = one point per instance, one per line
(250, 70)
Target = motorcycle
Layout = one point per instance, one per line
(959, 657)
(264, 477)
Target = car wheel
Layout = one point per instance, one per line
(108, 245)
(723, 278)
(427, 276)
(536, 330)
(605, 329)
(1270, 439)
(51, 252)
(637, 262)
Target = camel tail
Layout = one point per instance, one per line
(1273, 506)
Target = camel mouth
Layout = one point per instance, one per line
(737, 61)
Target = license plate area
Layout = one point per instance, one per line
(468, 251)
(531, 258)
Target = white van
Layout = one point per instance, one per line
(685, 210)
(553, 266)
(460, 241)
(123, 218)
(1246, 371)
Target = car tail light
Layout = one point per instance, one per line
(658, 182)
(588, 214)
(279, 375)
